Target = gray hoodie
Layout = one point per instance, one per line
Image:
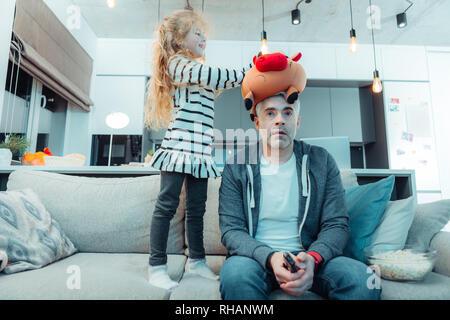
(322, 218)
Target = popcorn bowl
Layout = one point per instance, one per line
(408, 264)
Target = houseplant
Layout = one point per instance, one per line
(13, 144)
(149, 156)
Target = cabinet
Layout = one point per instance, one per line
(404, 63)
(358, 65)
(327, 112)
(224, 55)
(315, 113)
(352, 114)
(319, 62)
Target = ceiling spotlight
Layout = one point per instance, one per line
(295, 15)
(401, 20)
(401, 17)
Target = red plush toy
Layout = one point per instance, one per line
(273, 73)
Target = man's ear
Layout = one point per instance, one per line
(298, 122)
(256, 120)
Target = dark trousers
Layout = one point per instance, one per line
(166, 207)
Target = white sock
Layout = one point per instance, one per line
(199, 266)
(159, 277)
(4, 260)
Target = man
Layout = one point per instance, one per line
(295, 195)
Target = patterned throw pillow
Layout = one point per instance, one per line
(28, 234)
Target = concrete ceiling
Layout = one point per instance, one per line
(322, 20)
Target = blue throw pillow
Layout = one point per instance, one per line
(365, 206)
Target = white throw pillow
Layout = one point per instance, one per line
(28, 234)
(349, 178)
(393, 229)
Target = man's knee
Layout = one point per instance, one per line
(239, 277)
(238, 269)
(356, 279)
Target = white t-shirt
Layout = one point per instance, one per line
(278, 217)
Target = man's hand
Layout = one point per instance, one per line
(282, 274)
(294, 283)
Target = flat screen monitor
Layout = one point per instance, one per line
(338, 147)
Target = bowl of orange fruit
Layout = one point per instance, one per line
(48, 159)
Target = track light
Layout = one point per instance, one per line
(295, 16)
(401, 20)
(401, 17)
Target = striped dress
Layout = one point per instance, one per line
(187, 145)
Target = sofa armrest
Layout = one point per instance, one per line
(441, 243)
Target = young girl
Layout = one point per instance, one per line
(181, 95)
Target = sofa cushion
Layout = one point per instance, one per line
(429, 219)
(102, 214)
(434, 287)
(441, 243)
(349, 178)
(365, 205)
(393, 229)
(103, 276)
(29, 235)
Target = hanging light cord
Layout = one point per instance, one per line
(373, 41)
(262, 14)
(410, 5)
(351, 13)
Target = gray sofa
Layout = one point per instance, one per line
(108, 220)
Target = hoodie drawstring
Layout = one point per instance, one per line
(306, 188)
(250, 199)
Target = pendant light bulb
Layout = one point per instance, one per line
(377, 87)
(111, 3)
(353, 41)
(264, 47)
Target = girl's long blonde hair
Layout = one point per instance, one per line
(169, 37)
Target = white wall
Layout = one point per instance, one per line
(124, 94)
(439, 68)
(78, 123)
(6, 22)
(84, 34)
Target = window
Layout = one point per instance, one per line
(52, 122)
(125, 149)
(16, 104)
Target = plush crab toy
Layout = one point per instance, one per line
(272, 73)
